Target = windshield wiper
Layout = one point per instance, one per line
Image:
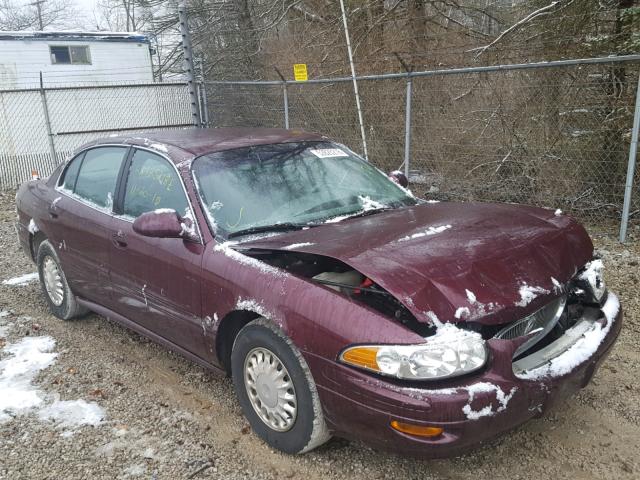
(366, 213)
(269, 228)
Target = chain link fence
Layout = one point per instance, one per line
(39, 128)
(556, 134)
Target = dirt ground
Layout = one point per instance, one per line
(167, 418)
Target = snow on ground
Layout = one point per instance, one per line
(427, 232)
(529, 293)
(21, 363)
(72, 413)
(22, 280)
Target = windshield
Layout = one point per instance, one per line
(296, 184)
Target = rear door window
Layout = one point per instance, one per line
(68, 181)
(152, 183)
(98, 175)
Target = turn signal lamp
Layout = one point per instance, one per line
(416, 430)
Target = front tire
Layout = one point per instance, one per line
(61, 300)
(276, 390)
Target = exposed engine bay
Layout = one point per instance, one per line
(541, 328)
(342, 278)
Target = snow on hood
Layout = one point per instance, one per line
(509, 256)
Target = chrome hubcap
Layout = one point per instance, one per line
(53, 281)
(270, 389)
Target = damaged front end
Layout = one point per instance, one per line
(571, 310)
(469, 380)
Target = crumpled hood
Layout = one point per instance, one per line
(491, 263)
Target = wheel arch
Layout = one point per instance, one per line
(226, 333)
(35, 239)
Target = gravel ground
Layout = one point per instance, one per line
(168, 418)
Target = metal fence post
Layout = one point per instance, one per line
(202, 104)
(205, 105)
(47, 121)
(285, 96)
(407, 117)
(633, 152)
(188, 63)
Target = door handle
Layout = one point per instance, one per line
(119, 239)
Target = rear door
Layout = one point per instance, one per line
(156, 281)
(81, 216)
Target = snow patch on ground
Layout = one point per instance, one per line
(580, 351)
(462, 312)
(72, 413)
(529, 293)
(26, 358)
(558, 212)
(22, 362)
(22, 280)
(293, 246)
(429, 231)
(557, 286)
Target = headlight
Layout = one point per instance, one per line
(593, 275)
(449, 353)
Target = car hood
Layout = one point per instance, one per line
(490, 263)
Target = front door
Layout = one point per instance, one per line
(156, 281)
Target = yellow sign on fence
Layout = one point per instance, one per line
(300, 72)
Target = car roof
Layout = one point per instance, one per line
(201, 141)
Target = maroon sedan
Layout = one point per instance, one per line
(339, 303)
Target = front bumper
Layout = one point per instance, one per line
(471, 410)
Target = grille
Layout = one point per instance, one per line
(537, 325)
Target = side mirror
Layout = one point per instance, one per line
(162, 223)
(400, 178)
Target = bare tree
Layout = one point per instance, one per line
(50, 14)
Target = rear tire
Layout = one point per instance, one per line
(61, 300)
(276, 390)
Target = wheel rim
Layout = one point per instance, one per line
(53, 281)
(270, 389)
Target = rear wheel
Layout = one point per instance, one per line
(61, 300)
(275, 389)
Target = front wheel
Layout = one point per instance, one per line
(276, 390)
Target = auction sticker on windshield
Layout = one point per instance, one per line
(329, 153)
